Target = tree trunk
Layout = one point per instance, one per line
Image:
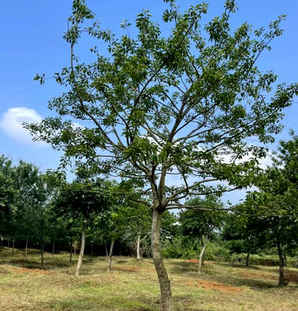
(110, 256)
(80, 260)
(26, 247)
(138, 247)
(247, 259)
(201, 258)
(166, 300)
(282, 280)
(74, 246)
(106, 249)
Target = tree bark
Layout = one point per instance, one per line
(138, 247)
(106, 250)
(282, 280)
(247, 259)
(26, 247)
(166, 300)
(201, 257)
(110, 256)
(80, 259)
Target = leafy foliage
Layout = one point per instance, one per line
(157, 104)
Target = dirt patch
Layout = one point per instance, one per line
(292, 276)
(214, 285)
(27, 270)
(192, 260)
(251, 275)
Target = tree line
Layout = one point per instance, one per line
(43, 209)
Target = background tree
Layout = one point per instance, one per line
(242, 233)
(138, 224)
(82, 202)
(199, 224)
(161, 104)
(275, 207)
(7, 195)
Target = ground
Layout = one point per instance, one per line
(133, 286)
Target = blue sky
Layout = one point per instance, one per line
(31, 42)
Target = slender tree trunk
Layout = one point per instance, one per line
(110, 256)
(201, 258)
(80, 260)
(166, 300)
(138, 247)
(281, 281)
(26, 247)
(247, 259)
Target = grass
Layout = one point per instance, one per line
(133, 285)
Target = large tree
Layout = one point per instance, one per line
(161, 104)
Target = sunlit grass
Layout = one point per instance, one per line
(133, 285)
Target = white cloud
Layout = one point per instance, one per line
(227, 156)
(12, 123)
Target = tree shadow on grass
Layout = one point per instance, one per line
(182, 267)
(50, 263)
(191, 269)
(253, 283)
(94, 303)
(238, 266)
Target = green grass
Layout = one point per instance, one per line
(133, 285)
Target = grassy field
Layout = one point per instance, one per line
(133, 285)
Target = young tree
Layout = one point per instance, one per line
(201, 222)
(168, 104)
(82, 202)
(242, 232)
(136, 215)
